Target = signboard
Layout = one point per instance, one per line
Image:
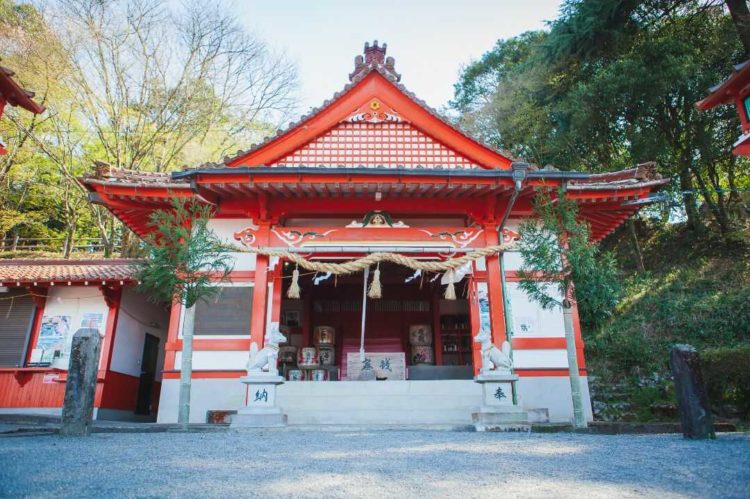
(389, 365)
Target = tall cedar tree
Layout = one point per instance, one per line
(581, 266)
(186, 262)
(557, 246)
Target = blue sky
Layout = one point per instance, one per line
(430, 39)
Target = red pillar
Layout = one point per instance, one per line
(258, 317)
(39, 297)
(278, 285)
(495, 288)
(260, 291)
(112, 297)
(173, 334)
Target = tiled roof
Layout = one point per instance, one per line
(386, 70)
(642, 175)
(727, 90)
(15, 94)
(63, 271)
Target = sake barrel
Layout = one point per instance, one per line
(324, 335)
(296, 375)
(420, 334)
(288, 354)
(327, 356)
(318, 375)
(422, 354)
(308, 357)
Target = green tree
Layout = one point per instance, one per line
(561, 266)
(186, 261)
(613, 84)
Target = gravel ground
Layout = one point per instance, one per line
(361, 463)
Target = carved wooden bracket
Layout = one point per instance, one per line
(111, 295)
(38, 295)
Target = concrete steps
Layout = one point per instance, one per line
(434, 402)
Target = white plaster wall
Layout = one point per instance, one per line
(206, 395)
(540, 359)
(540, 323)
(512, 261)
(137, 317)
(553, 393)
(224, 229)
(74, 302)
(217, 360)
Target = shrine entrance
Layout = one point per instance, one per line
(410, 333)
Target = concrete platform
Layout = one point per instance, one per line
(435, 402)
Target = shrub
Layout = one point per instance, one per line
(726, 372)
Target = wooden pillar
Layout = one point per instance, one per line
(307, 320)
(475, 322)
(258, 317)
(112, 297)
(278, 287)
(260, 291)
(495, 287)
(39, 297)
(173, 334)
(437, 333)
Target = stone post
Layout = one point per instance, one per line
(80, 387)
(692, 400)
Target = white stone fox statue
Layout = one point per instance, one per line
(493, 359)
(265, 359)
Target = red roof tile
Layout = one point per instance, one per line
(46, 271)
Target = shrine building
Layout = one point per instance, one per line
(373, 170)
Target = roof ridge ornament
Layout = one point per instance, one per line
(374, 58)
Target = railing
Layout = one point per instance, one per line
(81, 245)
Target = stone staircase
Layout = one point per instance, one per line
(434, 402)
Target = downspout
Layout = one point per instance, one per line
(519, 175)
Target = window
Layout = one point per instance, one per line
(746, 102)
(16, 315)
(227, 313)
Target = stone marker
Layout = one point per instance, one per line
(692, 400)
(80, 387)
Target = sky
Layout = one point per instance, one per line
(430, 39)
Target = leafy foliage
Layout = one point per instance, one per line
(186, 258)
(696, 290)
(612, 84)
(140, 84)
(581, 265)
(726, 372)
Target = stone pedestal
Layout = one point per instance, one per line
(261, 410)
(498, 413)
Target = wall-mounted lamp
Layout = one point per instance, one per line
(520, 170)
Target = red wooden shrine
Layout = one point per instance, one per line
(372, 150)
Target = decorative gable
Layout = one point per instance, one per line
(374, 122)
(388, 143)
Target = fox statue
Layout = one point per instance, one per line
(265, 359)
(493, 358)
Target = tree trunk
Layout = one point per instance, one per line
(688, 198)
(68, 248)
(186, 367)
(579, 417)
(741, 17)
(636, 246)
(109, 247)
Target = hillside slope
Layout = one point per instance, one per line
(694, 290)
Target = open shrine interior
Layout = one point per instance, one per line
(414, 332)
